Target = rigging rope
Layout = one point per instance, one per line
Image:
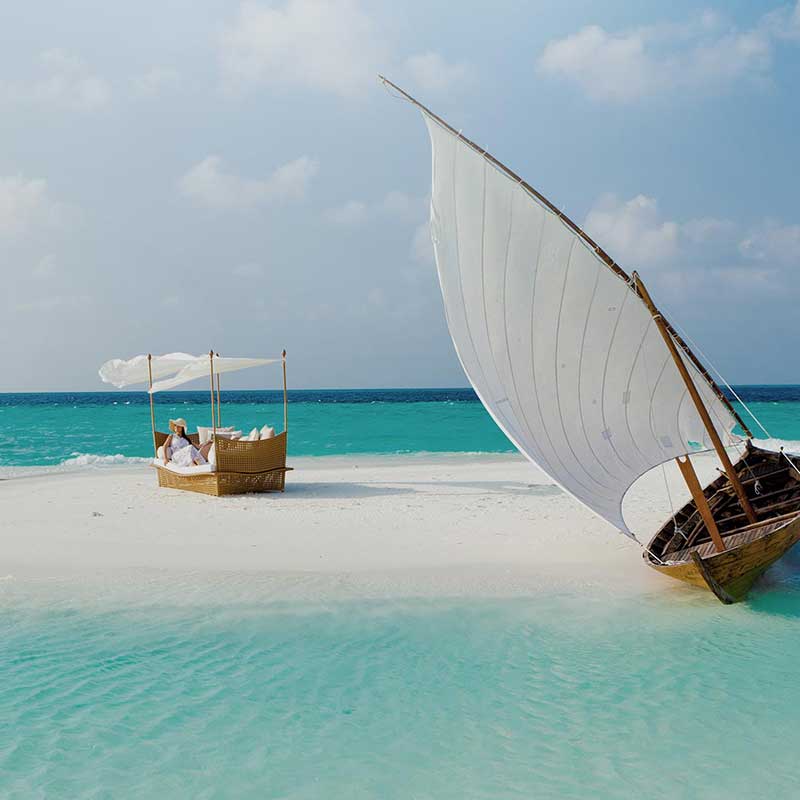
(721, 377)
(730, 388)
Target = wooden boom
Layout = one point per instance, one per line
(698, 402)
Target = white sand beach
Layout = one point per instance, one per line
(360, 526)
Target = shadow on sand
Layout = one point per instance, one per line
(348, 490)
(343, 491)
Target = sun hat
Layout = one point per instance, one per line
(178, 423)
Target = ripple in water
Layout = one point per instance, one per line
(560, 697)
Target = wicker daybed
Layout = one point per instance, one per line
(238, 465)
(241, 467)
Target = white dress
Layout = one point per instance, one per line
(183, 453)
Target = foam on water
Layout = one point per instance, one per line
(77, 461)
(94, 460)
(789, 445)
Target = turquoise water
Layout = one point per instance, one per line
(78, 429)
(561, 697)
(567, 696)
(103, 425)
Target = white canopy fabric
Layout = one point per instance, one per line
(128, 372)
(562, 352)
(201, 368)
(173, 369)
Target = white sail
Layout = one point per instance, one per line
(562, 352)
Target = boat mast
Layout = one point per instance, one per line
(699, 405)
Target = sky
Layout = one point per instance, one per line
(186, 176)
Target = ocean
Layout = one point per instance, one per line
(183, 690)
(97, 428)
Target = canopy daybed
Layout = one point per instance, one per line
(237, 465)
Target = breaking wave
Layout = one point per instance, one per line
(76, 461)
(789, 445)
(93, 460)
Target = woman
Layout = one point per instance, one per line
(178, 448)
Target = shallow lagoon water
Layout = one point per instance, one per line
(571, 696)
(595, 692)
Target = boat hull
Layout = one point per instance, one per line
(731, 574)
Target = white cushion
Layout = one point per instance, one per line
(229, 434)
(253, 437)
(201, 469)
(267, 432)
(212, 455)
(205, 433)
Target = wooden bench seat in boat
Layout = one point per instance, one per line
(732, 540)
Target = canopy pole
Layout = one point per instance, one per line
(697, 400)
(219, 407)
(213, 416)
(690, 476)
(152, 411)
(285, 396)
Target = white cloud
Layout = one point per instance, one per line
(707, 230)
(698, 256)
(45, 268)
(633, 230)
(65, 83)
(784, 22)
(634, 64)
(249, 270)
(402, 207)
(348, 215)
(26, 204)
(55, 302)
(321, 44)
(208, 184)
(421, 245)
(405, 206)
(156, 81)
(774, 243)
(431, 72)
(607, 67)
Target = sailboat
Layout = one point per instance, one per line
(575, 363)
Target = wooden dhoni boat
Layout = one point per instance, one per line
(241, 466)
(684, 549)
(583, 373)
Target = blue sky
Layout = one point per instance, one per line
(182, 175)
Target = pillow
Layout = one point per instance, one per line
(267, 432)
(206, 433)
(212, 456)
(253, 437)
(229, 434)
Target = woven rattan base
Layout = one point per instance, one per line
(242, 467)
(222, 483)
